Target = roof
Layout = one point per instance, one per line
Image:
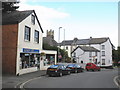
(16, 17)
(85, 41)
(49, 41)
(86, 49)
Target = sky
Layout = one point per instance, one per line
(81, 19)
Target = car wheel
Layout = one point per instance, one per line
(49, 75)
(93, 70)
(98, 69)
(60, 74)
(68, 72)
(87, 69)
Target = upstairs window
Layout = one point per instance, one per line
(33, 19)
(66, 48)
(103, 53)
(27, 33)
(95, 53)
(36, 36)
(90, 54)
(103, 47)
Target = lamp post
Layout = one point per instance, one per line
(64, 45)
(59, 42)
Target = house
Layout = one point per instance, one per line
(104, 46)
(21, 42)
(85, 54)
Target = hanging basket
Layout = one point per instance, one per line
(42, 54)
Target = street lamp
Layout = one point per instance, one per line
(59, 42)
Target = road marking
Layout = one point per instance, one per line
(115, 81)
(22, 85)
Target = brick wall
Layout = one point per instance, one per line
(9, 48)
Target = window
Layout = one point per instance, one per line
(103, 47)
(36, 36)
(27, 34)
(95, 53)
(33, 19)
(66, 48)
(90, 54)
(103, 53)
(103, 61)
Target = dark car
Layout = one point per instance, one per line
(58, 70)
(92, 67)
(75, 68)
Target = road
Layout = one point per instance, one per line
(102, 79)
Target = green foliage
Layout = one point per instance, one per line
(9, 6)
(116, 56)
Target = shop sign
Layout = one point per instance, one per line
(26, 50)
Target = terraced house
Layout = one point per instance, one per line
(96, 50)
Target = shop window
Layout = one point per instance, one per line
(36, 36)
(50, 59)
(29, 60)
(27, 33)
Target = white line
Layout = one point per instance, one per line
(22, 85)
(115, 78)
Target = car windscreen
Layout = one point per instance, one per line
(54, 66)
(71, 65)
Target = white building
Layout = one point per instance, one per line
(103, 45)
(23, 41)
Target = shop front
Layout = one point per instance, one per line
(29, 60)
(49, 58)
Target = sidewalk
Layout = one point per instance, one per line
(10, 81)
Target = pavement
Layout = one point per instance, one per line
(13, 81)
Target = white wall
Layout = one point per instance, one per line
(23, 44)
(108, 52)
(69, 49)
(84, 56)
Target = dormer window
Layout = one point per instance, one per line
(33, 19)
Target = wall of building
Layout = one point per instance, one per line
(9, 48)
(30, 45)
(84, 56)
(108, 52)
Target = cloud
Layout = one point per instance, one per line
(48, 17)
(43, 12)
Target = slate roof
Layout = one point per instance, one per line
(85, 41)
(87, 49)
(49, 41)
(16, 17)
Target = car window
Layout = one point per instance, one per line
(54, 66)
(78, 66)
(71, 65)
(88, 65)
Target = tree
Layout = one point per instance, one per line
(116, 56)
(9, 6)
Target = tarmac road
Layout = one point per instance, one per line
(102, 79)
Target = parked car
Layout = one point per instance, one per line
(58, 70)
(92, 66)
(75, 68)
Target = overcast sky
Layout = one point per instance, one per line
(91, 18)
